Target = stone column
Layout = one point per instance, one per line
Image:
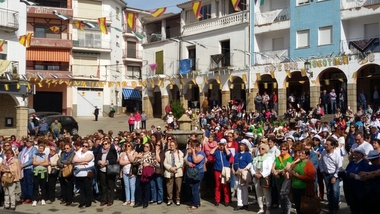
(184, 101)
(352, 96)
(202, 97)
(165, 101)
(281, 101)
(147, 106)
(314, 96)
(21, 120)
(226, 96)
(250, 102)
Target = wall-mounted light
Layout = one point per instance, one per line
(307, 67)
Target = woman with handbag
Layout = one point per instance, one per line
(278, 171)
(261, 173)
(241, 165)
(173, 163)
(67, 183)
(302, 173)
(156, 183)
(11, 170)
(222, 171)
(106, 161)
(146, 162)
(83, 162)
(126, 159)
(196, 159)
(53, 172)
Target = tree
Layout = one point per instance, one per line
(177, 109)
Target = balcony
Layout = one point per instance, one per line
(220, 61)
(51, 43)
(215, 24)
(350, 4)
(92, 44)
(41, 11)
(8, 20)
(48, 74)
(360, 45)
(268, 57)
(131, 54)
(272, 16)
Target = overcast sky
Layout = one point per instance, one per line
(154, 4)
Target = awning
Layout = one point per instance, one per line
(48, 54)
(4, 65)
(131, 94)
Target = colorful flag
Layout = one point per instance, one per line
(235, 4)
(184, 66)
(103, 25)
(79, 25)
(89, 24)
(138, 36)
(25, 40)
(55, 29)
(1, 44)
(197, 8)
(158, 12)
(131, 20)
(153, 67)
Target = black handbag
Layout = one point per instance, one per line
(265, 182)
(192, 173)
(113, 169)
(134, 170)
(54, 171)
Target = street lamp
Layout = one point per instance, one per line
(307, 67)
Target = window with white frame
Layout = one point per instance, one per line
(303, 37)
(371, 30)
(302, 2)
(325, 35)
(117, 13)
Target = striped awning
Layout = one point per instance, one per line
(48, 54)
(131, 94)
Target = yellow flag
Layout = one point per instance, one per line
(171, 86)
(272, 74)
(70, 82)
(40, 85)
(134, 85)
(218, 79)
(180, 86)
(231, 86)
(258, 77)
(274, 85)
(83, 83)
(288, 73)
(242, 86)
(210, 86)
(18, 86)
(303, 72)
(287, 84)
(49, 85)
(6, 87)
(244, 77)
(29, 87)
(265, 85)
(60, 82)
(200, 86)
(231, 78)
(194, 81)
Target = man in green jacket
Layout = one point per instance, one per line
(56, 128)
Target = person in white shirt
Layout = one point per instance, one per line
(330, 164)
(360, 143)
(273, 150)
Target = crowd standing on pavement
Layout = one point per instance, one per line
(282, 158)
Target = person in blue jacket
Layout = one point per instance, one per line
(26, 161)
(222, 156)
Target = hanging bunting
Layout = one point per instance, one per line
(69, 83)
(242, 86)
(83, 83)
(235, 4)
(287, 84)
(275, 85)
(61, 16)
(244, 77)
(230, 78)
(79, 25)
(258, 76)
(272, 74)
(288, 73)
(171, 86)
(49, 85)
(131, 20)
(180, 86)
(89, 24)
(218, 79)
(102, 22)
(210, 86)
(1, 44)
(118, 29)
(194, 81)
(303, 72)
(205, 80)
(29, 86)
(40, 85)
(60, 82)
(200, 86)
(197, 9)
(232, 86)
(25, 40)
(6, 87)
(158, 12)
(220, 87)
(139, 37)
(265, 85)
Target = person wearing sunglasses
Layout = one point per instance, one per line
(10, 165)
(126, 159)
(67, 184)
(53, 172)
(83, 162)
(156, 185)
(26, 164)
(107, 156)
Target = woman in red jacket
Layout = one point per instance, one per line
(131, 122)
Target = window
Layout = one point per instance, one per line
(131, 49)
(302, 2)
(278, 43)
(302, 38)
(117, 41)
(92, 39)
(167, 32)
(192, 56)
(226, 53)
(205, 12)
(45, 32)
(133, 71)
(371, 30)
(325, 35)
(3, 56)
(160, 62)
(117, 13)
(242, 5)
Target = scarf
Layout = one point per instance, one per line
(104, 154)
(282, 158)
(49, 156)
(41, 155)
(66, 154)
(260, 159)
(25, 154)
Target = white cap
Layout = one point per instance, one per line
(223, 141)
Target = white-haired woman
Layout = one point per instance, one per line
(261, 169)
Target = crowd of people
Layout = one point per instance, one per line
(282, 160)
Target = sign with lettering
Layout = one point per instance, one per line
(49, 10)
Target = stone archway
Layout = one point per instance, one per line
(192, 95)
(267, 84)
(214, 94)
(157, 102)
(334, 79)
(298, 86)
(173, 92)
(8, 113)
(237, 89)
(367, 80)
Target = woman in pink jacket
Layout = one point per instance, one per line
(137, 120)
(131, 122)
